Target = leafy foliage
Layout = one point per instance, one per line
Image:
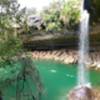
(10, 47)
(62, 14)
(10, 43)
(70, 13)
(51, 17)
(12, 66)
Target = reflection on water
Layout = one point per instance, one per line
(53, 71)
(68, 75)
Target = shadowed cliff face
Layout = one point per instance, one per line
(87, 5)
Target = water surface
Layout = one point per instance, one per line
(58, 80)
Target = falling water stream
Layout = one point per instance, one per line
(83, 74)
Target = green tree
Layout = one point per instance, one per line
(62, 15)
(12, 61)
(51, 16)
(10, 44)
(70, 13)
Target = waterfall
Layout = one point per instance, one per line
(83, 91)
(83, 73)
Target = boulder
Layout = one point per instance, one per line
(81, 93)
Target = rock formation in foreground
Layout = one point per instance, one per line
(81, 93)
(84, 93)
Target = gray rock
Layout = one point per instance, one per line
(81, 93)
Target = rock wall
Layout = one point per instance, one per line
(68, 57)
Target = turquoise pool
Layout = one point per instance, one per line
(58, 79)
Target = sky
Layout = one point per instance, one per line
(38, 4)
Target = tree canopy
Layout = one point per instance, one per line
(62, 14)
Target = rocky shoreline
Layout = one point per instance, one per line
(68, 57)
